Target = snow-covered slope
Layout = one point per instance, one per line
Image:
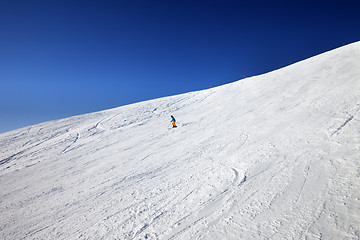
(275, 156)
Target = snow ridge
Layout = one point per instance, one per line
(274, 156)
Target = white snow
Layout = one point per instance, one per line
(275, 156)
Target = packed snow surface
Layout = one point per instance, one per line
(275, 156)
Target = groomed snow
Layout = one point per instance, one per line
(275, 156)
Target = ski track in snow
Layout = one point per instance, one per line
(274, 156)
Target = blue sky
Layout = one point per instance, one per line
(69, 57)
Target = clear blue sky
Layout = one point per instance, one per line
(69, 57)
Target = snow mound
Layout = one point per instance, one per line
(274, 156)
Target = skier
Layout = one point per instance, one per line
(173, 121)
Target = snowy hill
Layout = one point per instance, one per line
(275, 156)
